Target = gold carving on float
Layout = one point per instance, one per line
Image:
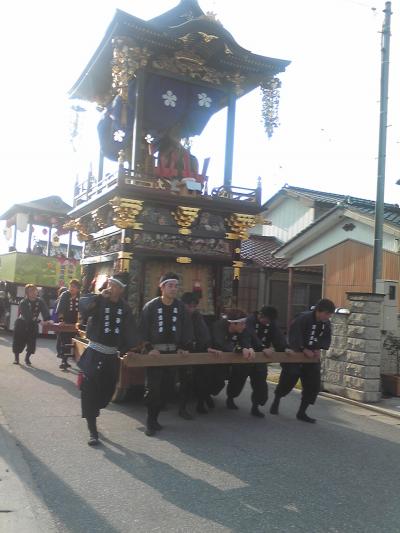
(98, 218)
(183, 260)
(206, 37)
(189, 64)
(125, 212)
(184, 217)
(240, 223)
(127, 59)
(78, 225)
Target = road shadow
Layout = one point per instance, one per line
(292, 475)
(75, 514)
(52, 379)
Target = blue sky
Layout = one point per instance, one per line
(329, 112)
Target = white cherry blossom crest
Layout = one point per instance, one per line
(170, 99)
(204, 100)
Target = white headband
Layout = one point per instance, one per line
(117, 282)
(238, 320)
(167, 280)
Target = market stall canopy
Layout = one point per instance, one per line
(49, 211)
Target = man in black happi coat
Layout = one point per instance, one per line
(110, 328)
(265, 333)
(231, 335)
(67, 311)
(165, 327)
(310, 332)
(27, 324)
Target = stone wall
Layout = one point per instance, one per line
(352, 366)
(389, 363)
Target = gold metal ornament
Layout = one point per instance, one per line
(124, 261)
(79, 225)
(125, 212)
(184, 260)
(184, 217)
(240, 223)
(127, 59)
(98, 218)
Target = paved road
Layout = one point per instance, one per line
(223, 472)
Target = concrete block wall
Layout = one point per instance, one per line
(352, 365)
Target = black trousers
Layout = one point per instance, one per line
(309, 375)
(63, 340)
(158, 385)
(25, 334)
(258, 381)
(100, 378)
(159, 382)
(209, 380)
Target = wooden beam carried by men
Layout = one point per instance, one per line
(135, 360)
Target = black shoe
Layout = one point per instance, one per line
(63, 366)
(93, 439)
(256, 412)
(183, 413)
(200, 408)
(150, 431)
(27, 361)
(274, 409)
(16, 361)
(67, 365)
(210, 402)
(231, 404)
(305, 418)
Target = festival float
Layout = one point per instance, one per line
(45, 261)
(145, 206)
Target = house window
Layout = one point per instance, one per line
(305, 295)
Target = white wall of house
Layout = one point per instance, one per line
(362, 232)
(288, 218)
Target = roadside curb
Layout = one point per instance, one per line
(368, 406)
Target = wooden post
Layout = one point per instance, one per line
(69, 244)
(259, 191)
(101, 167)
(290, 298)
(230, 138)
(136, 159)
(15, 237)
(49, 242)
(30, 231)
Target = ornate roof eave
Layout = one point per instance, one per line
(95, 78)
(185, 10)
(218, 49)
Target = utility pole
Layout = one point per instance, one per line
(380, 186)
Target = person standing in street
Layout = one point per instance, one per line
(265, 334)
(110, 328)
(67, 312)
(310, 332)
(165, 327)
(26, 326)
(230, 334)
